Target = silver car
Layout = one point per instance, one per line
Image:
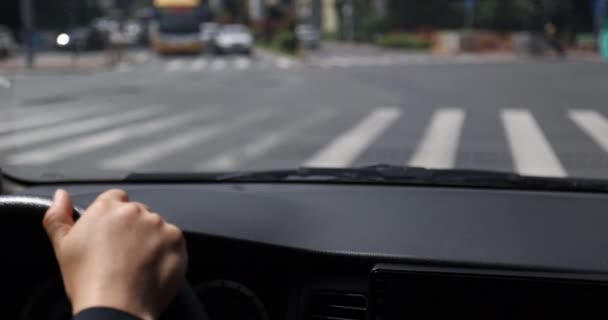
(233, 38)
(308, 36)
(7, 42)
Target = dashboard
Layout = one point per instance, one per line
(309, 251)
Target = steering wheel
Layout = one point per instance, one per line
(18, 209)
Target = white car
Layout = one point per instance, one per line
(233, 38)
(308, 36)
(209, 31)
(7, 42)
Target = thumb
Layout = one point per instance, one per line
(58, 219)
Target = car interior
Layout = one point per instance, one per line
(343, 251)
(323, 159)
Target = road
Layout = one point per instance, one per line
(342, 106)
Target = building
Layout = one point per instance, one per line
(329, 15)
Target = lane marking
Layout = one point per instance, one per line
(9, 114)
(75, 128)
(284, 63)
(593, 123)
(88, 143)
(439, 144)
(260, 146)
(180, 142)
(345, 149)
(242, 63)
(199, 65)
(531, 151)
(141, 57)
(53, 117)
(123, 67)
(218, 64)
(175, 65)
(5, 83)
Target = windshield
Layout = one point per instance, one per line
(234, 29)
(180, 20)
(512, 86)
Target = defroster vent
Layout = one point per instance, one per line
(328, 305)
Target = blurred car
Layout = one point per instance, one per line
(308, 36)
(134, 32)
(209, 31)
(233, 38)
(7, 42)
(81, 39)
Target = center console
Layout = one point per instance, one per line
(402, 292)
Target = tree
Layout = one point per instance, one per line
(236, 10)
(413, 14)
(500, 15)
(497, 15)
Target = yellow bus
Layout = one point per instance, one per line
(176, 27)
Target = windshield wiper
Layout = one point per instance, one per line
(389, 174)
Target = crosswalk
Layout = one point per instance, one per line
(532, 153)
(346, 148)
(112, 136)
(398, 59)
(209, 63)
(438, 146)
(142, 61)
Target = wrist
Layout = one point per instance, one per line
(124, 306)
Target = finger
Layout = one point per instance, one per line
(174, 236)
(155, 219)
(59, 218)
(142, 206)
(114, 195)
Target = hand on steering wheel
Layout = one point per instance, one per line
(119, 254)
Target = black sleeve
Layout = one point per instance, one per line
(103, 314)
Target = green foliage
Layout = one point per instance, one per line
(331, 36)
(497, 15)
(236, 9)
(373, 26)
(413, 14)
(403, 41)
(508, 15)
(286, 41)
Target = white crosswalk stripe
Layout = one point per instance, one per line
(439, 144)
(233, 158)
(21, 121)
(594, 124)
(199, 64)
(218, 64)
(175, 65)
(5, 83)
(123, 67)
(242, 63)
(75, 128)
(344, 150)
(142, 57)
(284, 63)
(530, 149)
(66, 149)
(9, 115)
(150, 153)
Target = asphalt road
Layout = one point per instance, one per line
(342, 106)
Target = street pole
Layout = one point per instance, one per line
(27, 27)
(469, 15)
(348, 12)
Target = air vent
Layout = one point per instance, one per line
(327, 305)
